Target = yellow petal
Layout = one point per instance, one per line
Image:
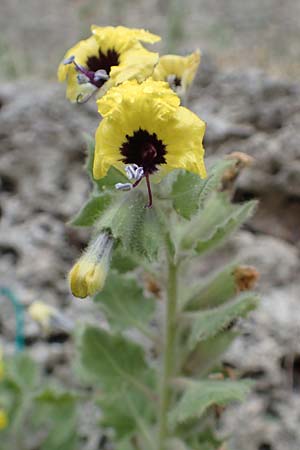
(153, 107)
(184, 68)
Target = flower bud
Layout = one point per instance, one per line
(3, 419)
(48, 317)
(88, 275)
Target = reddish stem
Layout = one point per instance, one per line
(149, 191)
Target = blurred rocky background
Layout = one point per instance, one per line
(248, 92)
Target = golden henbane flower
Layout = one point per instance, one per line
(144, 125)
(178, 71)
(107, 58)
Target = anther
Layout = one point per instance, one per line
(69, 60)
(134, 172)
(123, 186)
(101, 74)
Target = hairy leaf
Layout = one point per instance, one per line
(123, 409)
(213, 291)
(55, 411)
(23, 371)
(124, 303)
(201, 395)
(208, 323)
(215, 223)
(91, 211)
(112, 360)
(189, 191)
(207, 354)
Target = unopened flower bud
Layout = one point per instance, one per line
(88, 275)
(3, 419)
(49, 317)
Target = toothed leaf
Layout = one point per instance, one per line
(208, 323)
(111, 359)
(124, 303)
(91, 211)
(201, 395)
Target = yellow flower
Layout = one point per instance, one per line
(144, 125)
(3, 419)
(88, 275)
(178, 71)
(107, 58)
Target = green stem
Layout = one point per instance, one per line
(168, 353)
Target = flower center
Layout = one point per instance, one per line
(103, 61)
(145, 150)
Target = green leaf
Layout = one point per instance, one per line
(108, 182)
(55, 411)
(200, 395)
(137, 227)
(185, 193)
(23, 371)
(215, 223)
(208, 323)
(189, 191)
(124, 303)
(122, 410)
(214, 291)
(207, 354)
(112, 360)
(206, 440)
(222, 231)
(91, 211)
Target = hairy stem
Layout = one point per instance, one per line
(168, 353)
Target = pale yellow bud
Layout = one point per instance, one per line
(41, 313)
(88, 275)
(3, 419)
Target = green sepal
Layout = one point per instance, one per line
(213, 291)
(138, 228)
(189, 191)
(206, 324)
(201, 395)
(91, 211)
(124, 303)
(215, 223)
(122, 262)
